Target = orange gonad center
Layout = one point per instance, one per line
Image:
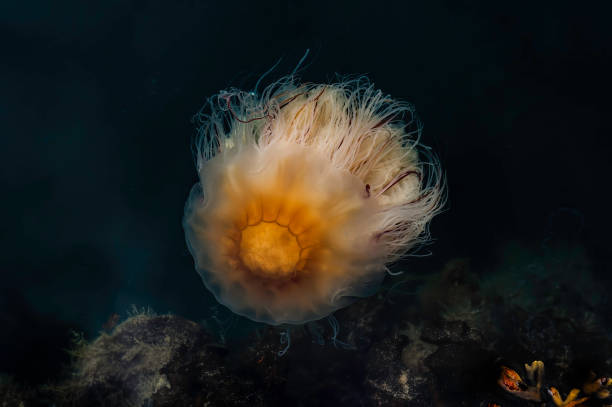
(270, 249)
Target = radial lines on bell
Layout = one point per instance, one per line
(272, 240)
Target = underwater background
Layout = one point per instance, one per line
(96, 107)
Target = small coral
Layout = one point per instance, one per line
(535, 373)
(571, 399)
(597, 386)
(512, 382)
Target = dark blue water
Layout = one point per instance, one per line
(96, 102)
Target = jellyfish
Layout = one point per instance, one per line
(306, 193)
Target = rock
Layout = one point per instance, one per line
(462, 372)
(390, 381)
(163, 360)
(15, 394)
(451, 332)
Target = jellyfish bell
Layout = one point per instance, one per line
(305, 194)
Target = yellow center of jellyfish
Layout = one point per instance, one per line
(270, 249)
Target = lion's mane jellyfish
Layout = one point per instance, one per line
(306, 192)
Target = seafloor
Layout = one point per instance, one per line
(515, 333)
